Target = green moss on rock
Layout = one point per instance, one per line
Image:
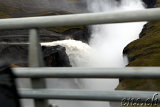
(140, 84)
(3, 15)
(144, 52)
(158, 3)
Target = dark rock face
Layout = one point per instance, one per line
(78, 34)
(47, 35)
(18, 54)
(150, 3)
(55, 56)
(29, 8)
(8, 93)
(14, 54)
(19, 7)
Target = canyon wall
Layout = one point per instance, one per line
(144, 52)
(29, 8)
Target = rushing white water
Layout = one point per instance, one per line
(106, 46)
(77, 51)
(80, 55)
(108, 41)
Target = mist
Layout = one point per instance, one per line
(109, 40)
(105, 49)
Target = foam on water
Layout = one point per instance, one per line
(105, 49)
(77, 51)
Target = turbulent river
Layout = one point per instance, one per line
(104, 50)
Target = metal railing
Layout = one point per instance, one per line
(36, 60)
(81, 19)
(40, 94)
(128, 72)
(100, 95)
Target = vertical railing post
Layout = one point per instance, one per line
(36, 60)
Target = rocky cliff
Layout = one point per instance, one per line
(144, 52)
(150, 3)
(54, 56)
(28, 8)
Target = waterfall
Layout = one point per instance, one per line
(104, 50)
(77, 51)
(109, 40)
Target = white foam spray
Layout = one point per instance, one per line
(106, 46)
(77, 51)
(80, 55)
(108, 41)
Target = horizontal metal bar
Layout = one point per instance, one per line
(26, 36)
(97, 95)
(81, 19)
(71, 72)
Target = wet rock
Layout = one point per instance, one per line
(47, 35)
(78, 34)
(21, 36)
(14, 54)
(55, 56)
(29, 8)
(18, 55)
(150, 3)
